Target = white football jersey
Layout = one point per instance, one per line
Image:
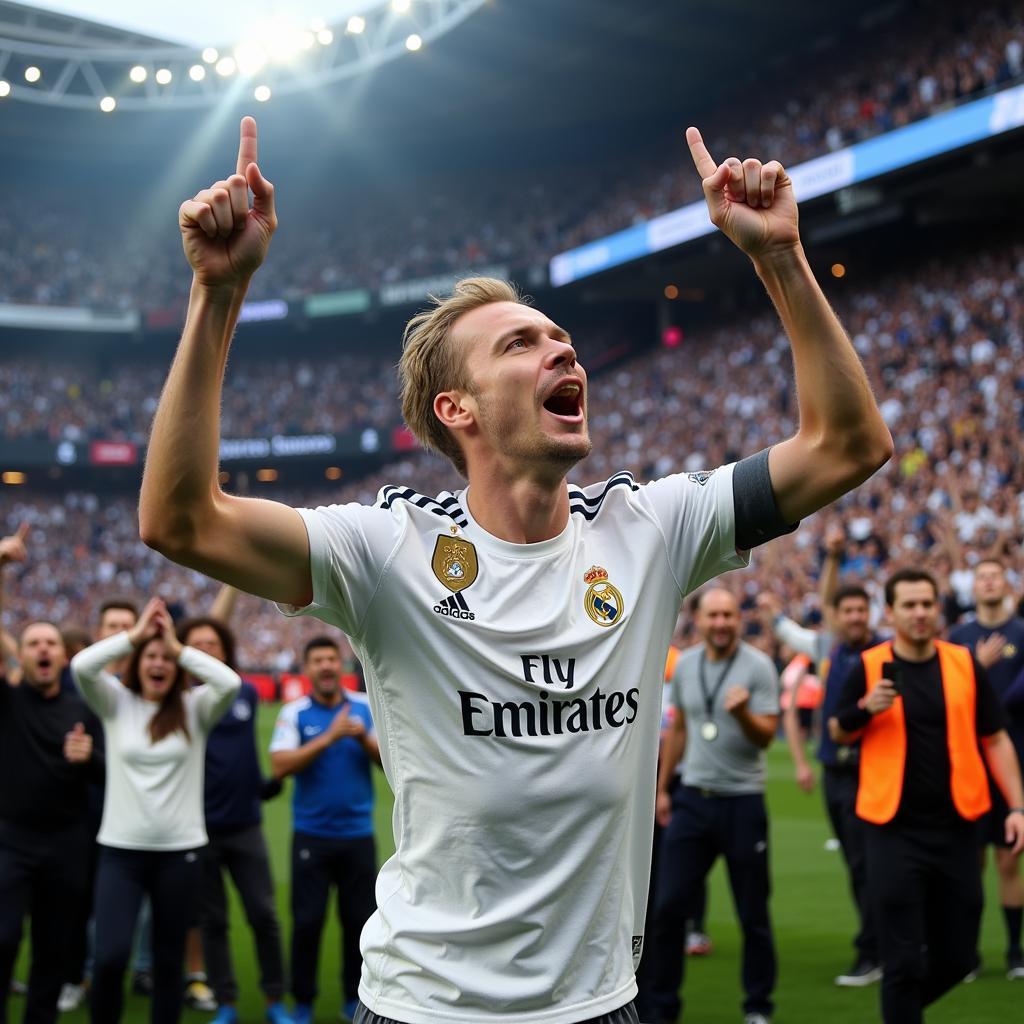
(516, 691)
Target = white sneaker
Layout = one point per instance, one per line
(756, 1018)
(71, 997)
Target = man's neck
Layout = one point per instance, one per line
(521, 511)
(48, 690)
(913, 650)
(329, 699)
(721, 653)
(991, 615)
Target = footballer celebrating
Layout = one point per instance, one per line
(518, 725)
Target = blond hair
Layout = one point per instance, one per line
(431, 364)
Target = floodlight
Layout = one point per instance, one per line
(210, 55)
(251, 57)
(401, 6)
(137, 73)
(307, 39)
(163, 76)
(5, 88)
(261, 93)
(413, 42)
(226, 66)
(197, 72)
(325, 37)
(32, 73)
(107, 104)
(356, 25)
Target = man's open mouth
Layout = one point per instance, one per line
(566, 401)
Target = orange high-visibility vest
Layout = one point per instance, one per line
(883, 747)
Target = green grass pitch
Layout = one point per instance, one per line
(810, 910)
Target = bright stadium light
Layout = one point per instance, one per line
(325, 37)
(210, 55)
(261, 93)
(137, 73)
(226, 66)
(413, 42)
(5, 88)
(356, 25)
(32, 73)
(197, 72)
(251, 57)
(401, 6)
(307, 40)
(163, 76)
(107, 104)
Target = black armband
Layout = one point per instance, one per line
(758, 519)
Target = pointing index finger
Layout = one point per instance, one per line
(246, 144)
(702, 159)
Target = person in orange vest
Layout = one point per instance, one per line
(925, 713)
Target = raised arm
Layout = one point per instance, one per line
(258, 546)
(12, 549)
(842, 438)
(99, 688)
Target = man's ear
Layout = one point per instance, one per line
(455, 409)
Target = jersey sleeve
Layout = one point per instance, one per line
(696, 513)
(764, 691)
(286, 730)
(349, 548)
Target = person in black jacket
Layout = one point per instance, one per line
(46, 744)
(234, 789)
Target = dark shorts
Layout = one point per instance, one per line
(991, 827)
(624, 1015)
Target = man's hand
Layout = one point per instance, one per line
(749, 202)
(835, 540)
(12, 548)
(78, 745)
(805, 777)
(226, 241)
(663, 808)
(1015, 831)
(990, 650)
(736, 700)
(880, 698)
(341, 725)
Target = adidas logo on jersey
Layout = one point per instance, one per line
(454, 607)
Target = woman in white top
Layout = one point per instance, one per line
(155, 726)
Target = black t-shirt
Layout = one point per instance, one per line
(41, 791)
(927, 799)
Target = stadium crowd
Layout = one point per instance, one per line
(922, 60)
(942, 344)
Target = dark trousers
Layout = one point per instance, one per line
(78, 924)
(840, 790)
(171, 880)
(242, 854)
(703, 828)
(925, 886)
(350, 865)
(42, 879)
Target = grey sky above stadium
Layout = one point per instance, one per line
(198, 22)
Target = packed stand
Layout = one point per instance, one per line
(917, 64)
(943, 345)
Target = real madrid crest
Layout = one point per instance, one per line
(455, 563)
(603, 600)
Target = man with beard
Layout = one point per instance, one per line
(996, 635)
(928, 720)
(327, 742)
(513, 633)
(726, 699)
(46, 756)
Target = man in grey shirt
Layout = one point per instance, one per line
(726, 699)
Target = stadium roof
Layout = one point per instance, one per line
(517, 70)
